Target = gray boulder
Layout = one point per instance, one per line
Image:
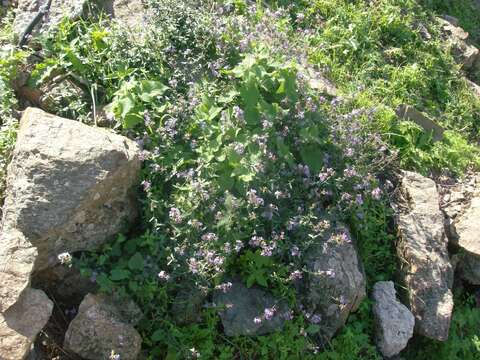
(422, 247)
(335, 284)
(21, 323)
(246, 311)
(394, 322)
(102, 326)
(69, 188)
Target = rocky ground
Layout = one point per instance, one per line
(253, 205)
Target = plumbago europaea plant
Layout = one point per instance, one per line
(240, 187)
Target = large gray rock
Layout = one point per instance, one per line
(336, 284)
(69, 188)
(242, 310)
(21, 323)
(28, 9)
(422, 248)
(101, 326)
(394, 322)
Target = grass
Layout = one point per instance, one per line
(232, 126)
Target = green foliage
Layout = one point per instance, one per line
(377, 53)
(130, 101)
(376, 243)
(245, 161)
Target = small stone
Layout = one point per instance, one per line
(394, 322)
(101, 327)
(409, 113)
(20, 324)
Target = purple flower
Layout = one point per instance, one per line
(359, 199)
(238, 113)
(239, 148)
(253, 198)
(163, 275)
(209, 237)
(350, 172)
(295, 251)
(146, 185)
(269, 313)
(330, 273)
(195, 224)
(288, 315)
(377, 193)
(257, 320)
(224, 287)
(267, 250)
(296, 275)
(315, 319)
(175, 215)
(255, 241)
(193, 265)
(238, 245)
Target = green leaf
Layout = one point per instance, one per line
(312, 155)
(250, 281)
(104, 282)
(136, 262)
(157, 335)
(151, 89)
(250, 94)
(119, 274)
(131, 120)
(312, 329)
(261, 280)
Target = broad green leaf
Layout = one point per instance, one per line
(250, 281)
(151, 89)
(136, 262)
(104, 282)
(312, 155)
(261, 280)
(312, 329)
(119, 274)
(158, 335)
(250, 94)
